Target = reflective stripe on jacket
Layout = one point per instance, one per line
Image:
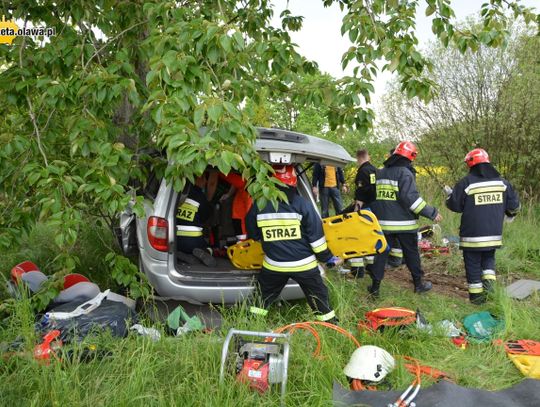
(483, 204)
(292, 236)
(398, 203)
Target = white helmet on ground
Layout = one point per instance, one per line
(369, 363)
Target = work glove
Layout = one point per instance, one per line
(447, 190)
(334, 261)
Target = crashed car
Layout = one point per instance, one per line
(152, 237)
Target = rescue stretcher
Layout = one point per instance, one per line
(246, 255)
(355, 234)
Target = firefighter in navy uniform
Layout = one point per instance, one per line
(191, 216)
(293, 242)
(483, 198)
(364, 195)
(398, 206)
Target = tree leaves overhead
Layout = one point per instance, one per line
(188, 78)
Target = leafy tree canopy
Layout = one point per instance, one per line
(119, 76)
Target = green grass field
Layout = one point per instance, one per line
(184, 371)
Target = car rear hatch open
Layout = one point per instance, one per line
(274, 146)
(283, 146)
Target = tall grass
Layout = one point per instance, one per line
(184, 371)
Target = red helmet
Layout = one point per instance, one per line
(21, 268)
(406, 149)
(286, 174)
(476, 156)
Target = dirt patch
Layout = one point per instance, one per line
(444, 282)
(435, 271)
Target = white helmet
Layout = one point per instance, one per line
(369, 363)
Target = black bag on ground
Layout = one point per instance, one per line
(446, 394)
(112, 316)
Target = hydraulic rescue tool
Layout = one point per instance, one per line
(259, 364)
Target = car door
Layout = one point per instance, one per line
(126, 231)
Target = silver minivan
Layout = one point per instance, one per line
(152, 237)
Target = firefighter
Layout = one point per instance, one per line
(395, 256)
(191, 216)
(483, 198)
(364, 195)
(293, 242)
(398, 206)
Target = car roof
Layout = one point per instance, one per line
(302, 147)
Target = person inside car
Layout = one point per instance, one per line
(191, 216)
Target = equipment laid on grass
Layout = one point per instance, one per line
(50, 345)
(246, 255)
(180, 322)
(115, 317)
(83, 309)
(76, 287)
(257, 363)
(151, 333)
(381, 318)
(520, 347)
(522, 289)
(429, 250)
(355, 234)
(369, 363)
(446, 394)
(481, 326)
(525, 354)
(528, 365)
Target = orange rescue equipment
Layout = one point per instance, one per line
(355, 234)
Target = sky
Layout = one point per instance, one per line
(320, 39)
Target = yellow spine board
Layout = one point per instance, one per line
(246, 255)
(355, 234)
(528, 365)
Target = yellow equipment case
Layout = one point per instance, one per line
(246, 255)
(355, 234)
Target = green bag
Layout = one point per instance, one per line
(482, 326)
(180, 322)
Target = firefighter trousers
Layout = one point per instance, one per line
(479, 269)
(270, 283)
(411, 255)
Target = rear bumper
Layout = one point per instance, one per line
(159, 275)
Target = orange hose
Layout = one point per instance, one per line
(415, 368)
(308, 327)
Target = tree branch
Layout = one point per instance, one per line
(111, 41)
(31, 113)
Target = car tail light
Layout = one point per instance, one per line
(158, 233)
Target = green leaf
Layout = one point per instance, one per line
(214, 112)
(198, 115)
(225, 42)
(239, 40)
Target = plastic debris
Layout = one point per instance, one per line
(180, 322)
(151, 333)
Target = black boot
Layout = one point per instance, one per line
(489, 286)
(187, 258)
(374, 289)
(477, 298)
(422, 287)
(394, 261)
(205, 257)
(358, 272)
